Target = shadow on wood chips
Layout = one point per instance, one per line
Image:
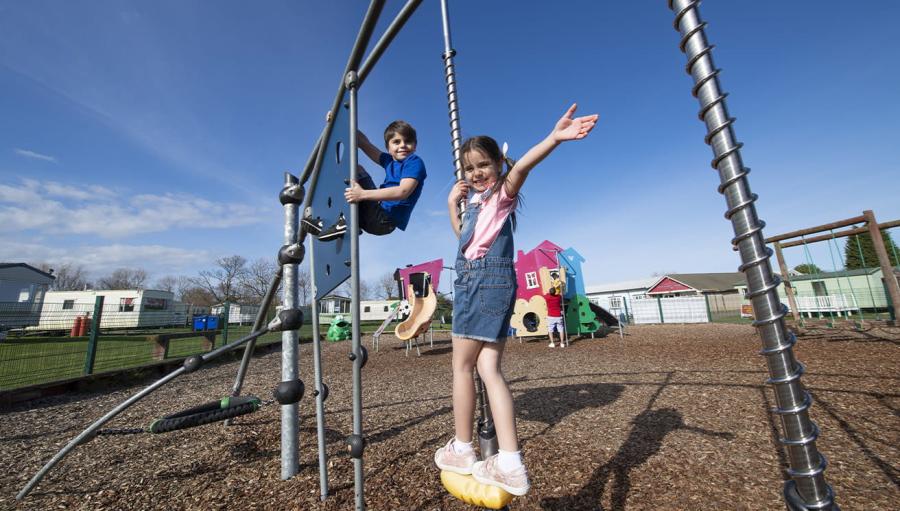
(672, 417)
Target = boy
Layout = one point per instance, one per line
(554, 316)
(388, 207)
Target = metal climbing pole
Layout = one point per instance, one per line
(290, 412)
(807, 488)
(487, 437)
(321, 392)
(356, 355)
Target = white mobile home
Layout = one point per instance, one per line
(617, 297)
(127, 308)
(22, 291)
(376, 310)
(840, 292)
(238, 314)
(371, 310)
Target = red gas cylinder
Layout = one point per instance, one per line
(76, 327)
(85, 325)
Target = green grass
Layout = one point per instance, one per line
(34, 360)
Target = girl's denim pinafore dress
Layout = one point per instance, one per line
(484, 292)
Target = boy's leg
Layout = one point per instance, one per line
(372, 218)
(364, 179)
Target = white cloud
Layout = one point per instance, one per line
(71, 192)
(35, 156)
(101, 259)
(92, 209)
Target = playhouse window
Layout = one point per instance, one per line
(385, 308)
(615, 302)
(68, 304)
(531, 280)
(367, 309)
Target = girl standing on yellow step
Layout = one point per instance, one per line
(484, 296)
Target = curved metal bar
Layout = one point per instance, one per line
(362, 41)
(806, 463)
(389, 34)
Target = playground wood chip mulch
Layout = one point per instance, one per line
(672, 417)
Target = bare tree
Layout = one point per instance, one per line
(223, 282)
(255, 281)
(69, 277)
(197, 296)
(385, 287)
(366, 290)
(167, 283)
(305, 285)
(124, 278)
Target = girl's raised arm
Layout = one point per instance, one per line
(567, 128)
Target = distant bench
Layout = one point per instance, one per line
(161, 342)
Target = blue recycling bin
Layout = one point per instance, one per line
(212, 322)
(200, 323)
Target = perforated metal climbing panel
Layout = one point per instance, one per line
(332, 258)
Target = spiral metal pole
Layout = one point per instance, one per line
(807, 488)
(452, 101)
(487, 438)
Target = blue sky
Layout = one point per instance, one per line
(155, 135)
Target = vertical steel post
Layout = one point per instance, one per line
(91, 354)
(887, 271)
(788, 287)
(317, 370)
(290, 418)
(358, 357)
(807, 488)
(225, 323)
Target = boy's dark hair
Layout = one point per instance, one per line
(552, 291)
(401, 128)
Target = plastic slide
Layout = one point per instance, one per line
(604, 315)
(423, 300)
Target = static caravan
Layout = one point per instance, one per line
(22, 291)
(376, 310)
(122, 308)
(238, 314)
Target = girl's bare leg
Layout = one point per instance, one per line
(465, 353)
(499, 396)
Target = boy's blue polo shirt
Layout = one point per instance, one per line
(412, 167)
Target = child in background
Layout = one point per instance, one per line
(554, 316)
(484, 296)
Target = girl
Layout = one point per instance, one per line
(484, 296)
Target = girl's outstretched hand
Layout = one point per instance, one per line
(569, 128)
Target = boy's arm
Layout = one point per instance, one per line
(367, 147)
(357, 193)
(566, 128)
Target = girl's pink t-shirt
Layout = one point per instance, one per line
(494, 212)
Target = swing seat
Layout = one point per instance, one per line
(470, 491)
(215, 411)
